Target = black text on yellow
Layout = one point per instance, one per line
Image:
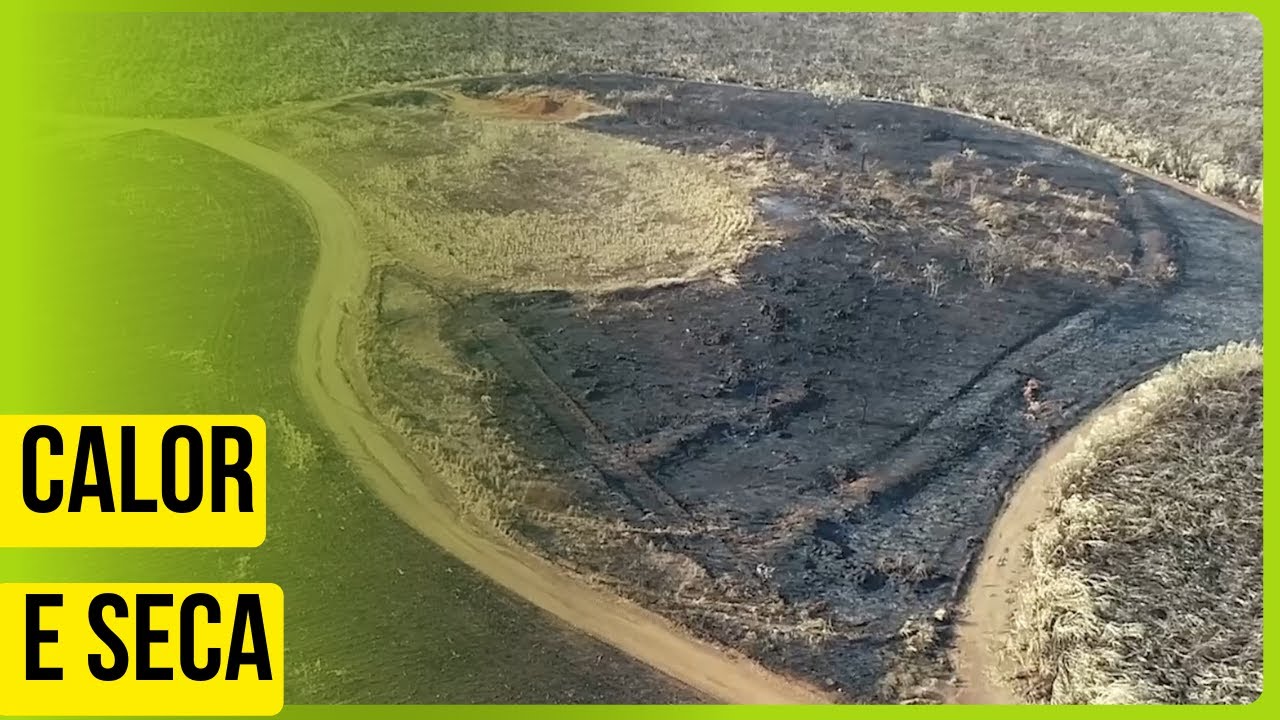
(90, 451)
(247, 649)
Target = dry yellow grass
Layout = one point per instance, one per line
(440, 405)
(509, 204)
(1176, 93)
(1144, 584)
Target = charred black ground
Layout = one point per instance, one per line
(808, 460)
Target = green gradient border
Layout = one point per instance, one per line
(23, 342)
(1253, 8)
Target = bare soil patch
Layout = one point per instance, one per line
(533, 104)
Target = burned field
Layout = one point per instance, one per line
(800, 455)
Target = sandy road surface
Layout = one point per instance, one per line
(328, 372)
(984, 617)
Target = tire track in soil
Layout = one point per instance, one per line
(616, 469)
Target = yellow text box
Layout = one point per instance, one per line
(131, 481)
(58, 635)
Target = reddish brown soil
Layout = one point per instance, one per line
(551, 105)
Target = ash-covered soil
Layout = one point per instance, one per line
(802, 461)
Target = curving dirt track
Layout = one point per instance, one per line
(984, 614)
(328, 371)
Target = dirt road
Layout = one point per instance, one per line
(329, 373)
(984, 616)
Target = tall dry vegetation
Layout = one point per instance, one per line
(1144, 584)
(1179, 94)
